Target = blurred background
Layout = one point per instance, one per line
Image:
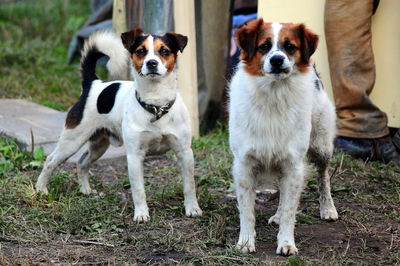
(41, 41)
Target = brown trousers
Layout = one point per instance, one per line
(352, 68)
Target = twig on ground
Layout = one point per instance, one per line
(87, 242)
(3, 239)
(32, 142)
(391, 242)
(334, 171)
(397, 208)
(347, 247)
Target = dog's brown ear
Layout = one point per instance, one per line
(309, 42)
(246, 38)
(129, 39)
(177, 41)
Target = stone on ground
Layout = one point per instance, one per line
(21, 119)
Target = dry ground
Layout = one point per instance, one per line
(69, 228)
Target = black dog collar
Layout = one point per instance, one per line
(157, 111)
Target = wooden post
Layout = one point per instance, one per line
(119, 26)
(119, 17)
(184, 19)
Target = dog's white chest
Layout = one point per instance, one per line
(271, 123)
(154, 143)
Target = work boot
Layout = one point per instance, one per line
(385, 150)
(396, 140)
(379, 149)
(358, 148)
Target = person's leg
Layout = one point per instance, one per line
(351, 60)
(362, 126)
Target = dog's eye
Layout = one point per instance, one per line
(142, 51)
(164, 52)
(289, 47)
(265, 47)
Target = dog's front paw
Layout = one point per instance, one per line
(286, 249)
(329, 214)
(274, 219)
(141, 216)
(193, 211)
(246, 244)
(246, 247)
(41, 189)
(87, 190)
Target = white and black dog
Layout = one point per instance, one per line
(148, 115)
(278, 114)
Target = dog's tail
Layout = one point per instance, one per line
(99, 44)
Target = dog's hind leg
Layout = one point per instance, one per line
(320, 153)
(184, 153)
(277, 216)
(321, 160)
(98, 145)
(269, 178)
(69, 143)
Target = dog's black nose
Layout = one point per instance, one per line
(152, 64)
(277, 61)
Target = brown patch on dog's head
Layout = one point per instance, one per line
(246, 38)
(166, 47)
(165, 53)
(309, 43)
(132, 39)
(135, 42)
(298, 42)
(254, 40)
(176, 41)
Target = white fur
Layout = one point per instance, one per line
(273, 123)
(132, 125)
(110, 44)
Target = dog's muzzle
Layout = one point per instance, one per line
(152, 67)
(276, 63)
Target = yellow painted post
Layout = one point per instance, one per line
(386, 45)
(184, 19)
(310, 12)
(385, 39)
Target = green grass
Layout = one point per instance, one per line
(11, 158)
(34, 41)
(106, 217)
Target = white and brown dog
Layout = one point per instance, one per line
(147, 114)
(278, 114)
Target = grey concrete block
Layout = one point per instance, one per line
(18, 118)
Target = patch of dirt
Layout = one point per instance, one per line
(364, 232)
